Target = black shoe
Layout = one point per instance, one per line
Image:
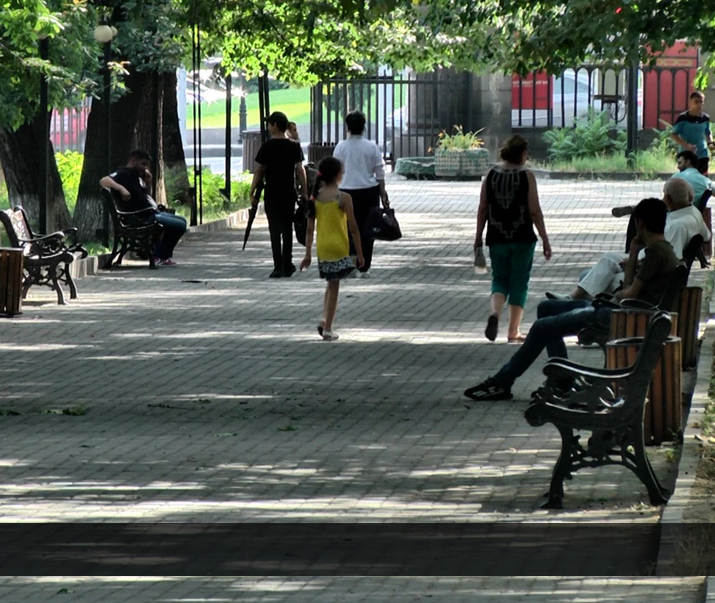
(492, 329)
(289, 271)
(489, 390)
(276, 274)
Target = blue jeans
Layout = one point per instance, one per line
(556, 319)
(174, 229)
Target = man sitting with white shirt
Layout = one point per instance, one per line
(684, 221)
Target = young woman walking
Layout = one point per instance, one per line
(333, 212)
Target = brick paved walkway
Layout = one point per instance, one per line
(209, 396)
(352, 590)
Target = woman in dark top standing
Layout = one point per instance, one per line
(509, 207)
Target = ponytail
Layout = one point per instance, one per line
(317, 186)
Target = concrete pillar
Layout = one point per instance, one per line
(491, 109)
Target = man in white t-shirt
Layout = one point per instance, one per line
(684, 221)
(363, 178)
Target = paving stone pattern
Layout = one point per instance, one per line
(352, 590)
(209, 396)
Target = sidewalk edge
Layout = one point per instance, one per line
(675, 509)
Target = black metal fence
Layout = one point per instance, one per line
(405, 112)
(542, 101)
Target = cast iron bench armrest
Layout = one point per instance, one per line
(608, 403)
(563, 372)
(637, 304)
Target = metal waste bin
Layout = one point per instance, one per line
(11, 260)
(251, 144)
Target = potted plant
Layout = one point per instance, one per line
(460, 154)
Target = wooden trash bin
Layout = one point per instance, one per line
(11, 260)
(708, 245)
(664, 411)
(689, 324)
(634, 323)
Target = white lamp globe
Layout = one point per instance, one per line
(114, 31)
(103, 33)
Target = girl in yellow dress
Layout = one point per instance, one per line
(333, 211)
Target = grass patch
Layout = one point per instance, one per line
(294, 102)
(647, 163)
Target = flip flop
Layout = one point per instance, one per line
(518, 339)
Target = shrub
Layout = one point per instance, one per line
(215, 204)
(459, 141)
(663, 143)
(590, 136)
(69, 165)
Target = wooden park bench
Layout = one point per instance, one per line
(132, 232)
(610, 403)
(46, 259)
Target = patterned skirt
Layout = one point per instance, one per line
(334, 270)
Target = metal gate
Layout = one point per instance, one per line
(405, 112)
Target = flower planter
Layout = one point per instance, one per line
(461, 163)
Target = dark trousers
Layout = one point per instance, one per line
(280, 227)
(364, 199)
(174, 229)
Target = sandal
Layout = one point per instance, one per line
(518, 339)
(329, 336)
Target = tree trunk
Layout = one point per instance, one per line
(19, 156)
(148, 132)
(124, 115)
(173, 145)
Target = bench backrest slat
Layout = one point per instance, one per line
(15, 224)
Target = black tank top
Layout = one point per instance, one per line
(509, 220)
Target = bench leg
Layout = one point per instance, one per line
(54, 282)
(70, 282)
(644, 470)
(114, 252)
(562, 470)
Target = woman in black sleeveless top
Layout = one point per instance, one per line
(509, 207)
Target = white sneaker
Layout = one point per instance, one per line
(329, 336)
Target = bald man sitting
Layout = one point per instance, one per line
(684, 221)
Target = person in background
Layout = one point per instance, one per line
(509, 208)
(292, 131)
(364, 179)
(333, 211)
(132, 182)
(691, 131)
(277, 161)
(687, 170)
(683, 222)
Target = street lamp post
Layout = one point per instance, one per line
(103, 34)
(44, 43)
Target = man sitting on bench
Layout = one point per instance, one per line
(643, 280)
(132, 182)
(683, 223)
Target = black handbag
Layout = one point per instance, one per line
(381, 224)
(300, 221)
